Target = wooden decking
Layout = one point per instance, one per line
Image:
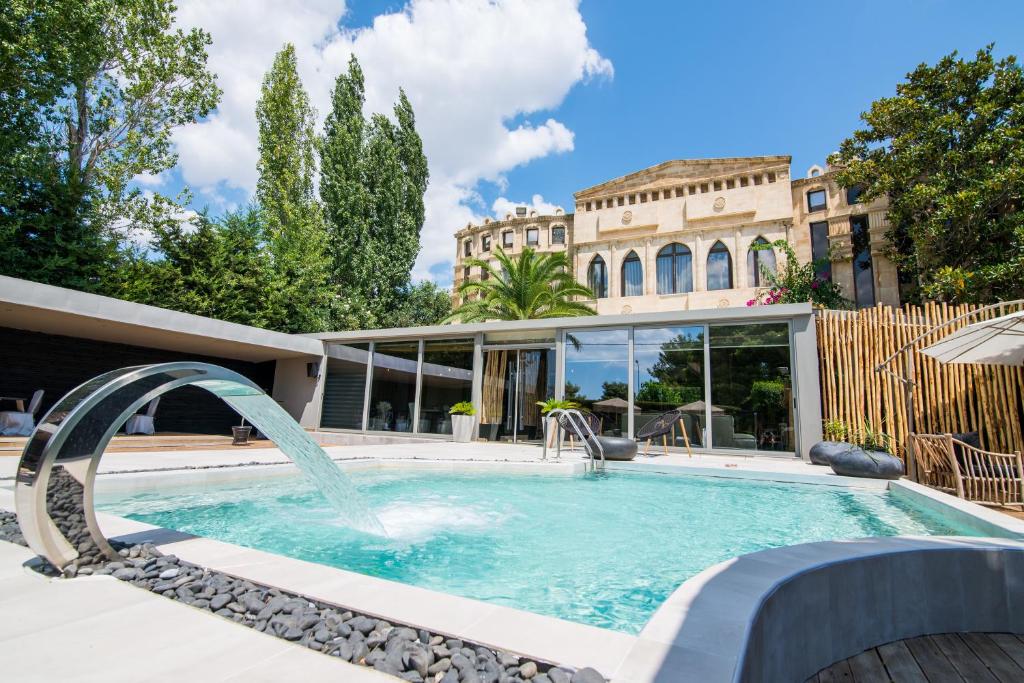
(949, 657)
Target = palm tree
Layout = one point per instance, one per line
(533, 285)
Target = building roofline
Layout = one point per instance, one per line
(734, 314)
(44, 308)
(767, 159)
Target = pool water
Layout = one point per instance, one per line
(599, 549)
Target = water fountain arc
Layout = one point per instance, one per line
(57, 471)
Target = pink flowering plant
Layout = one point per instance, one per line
(797, 282)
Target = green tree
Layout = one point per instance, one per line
(301, 299)
(530, 286)
(210, 267)
(90, 94)
(423, 303)
(947, 151)
(796, 282)
(373, 175)
(614, 390)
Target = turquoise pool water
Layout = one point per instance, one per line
(602, 549)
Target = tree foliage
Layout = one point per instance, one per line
(300, 300)
(796, 282)
(530, 286)
(90, 94)
(948, 151)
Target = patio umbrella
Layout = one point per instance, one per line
(698, 407)
(999, 341)
(612, 405)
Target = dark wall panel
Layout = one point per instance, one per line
(57, 364)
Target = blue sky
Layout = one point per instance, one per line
(518, 98)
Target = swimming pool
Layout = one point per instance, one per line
(604, 549)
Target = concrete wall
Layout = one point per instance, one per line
(297, 393)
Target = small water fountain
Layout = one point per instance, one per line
(54, 484)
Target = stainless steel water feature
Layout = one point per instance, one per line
(54, 484)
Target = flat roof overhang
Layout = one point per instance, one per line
(752, 314)
(43, 308)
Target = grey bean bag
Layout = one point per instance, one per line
(615, 447)
(857, 462)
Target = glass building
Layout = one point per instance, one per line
(745, 380)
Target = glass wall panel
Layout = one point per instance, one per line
(668, 366)
(345, 386)
(393, 391)
(751, 392)
(447, 380)
(597, 375)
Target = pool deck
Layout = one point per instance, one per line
(621, 656)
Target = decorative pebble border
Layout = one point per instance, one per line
(414, 655)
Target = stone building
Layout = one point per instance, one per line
(678, 235)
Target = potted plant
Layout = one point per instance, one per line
(870, 456)
(836, 434)
(463, 420)
(554, 404)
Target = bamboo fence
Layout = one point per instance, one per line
(948, 398)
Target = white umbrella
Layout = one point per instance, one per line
(999, 341)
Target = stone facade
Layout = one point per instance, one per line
(677, 235)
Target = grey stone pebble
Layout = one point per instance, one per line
(169, 573)
(558, 675)
(439, 666)
(528, 670)
(587, 675)
(450, 677)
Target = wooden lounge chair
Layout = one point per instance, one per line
(968, 472)
(661, 426)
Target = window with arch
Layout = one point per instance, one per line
(674, 269)
(597, 277)
(632, 275)
(759, 260)
(719, 267)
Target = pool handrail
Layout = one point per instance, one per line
(576, 419)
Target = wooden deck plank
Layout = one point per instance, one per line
(998, 662)
(963, 660)
(932, 662)
(837, 673)
(900, 664)
(1012, 645)
(867, 668)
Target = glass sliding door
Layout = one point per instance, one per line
(751, 390)
(447, 379)
(597, 375)
(514, 381)
(345, 386)
(393, 389)
(668, 367)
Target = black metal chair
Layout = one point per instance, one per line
(662, 426)
(574, 432)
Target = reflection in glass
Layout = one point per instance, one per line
(597, 277)
(863, 271)
(719, 267)
(513, 383)
(447, 380)
(758, 261)
(345, 386)
(751, 392)
(669, 374)
(674, 269)
(393, 391)
(597, 375)
(632, 275)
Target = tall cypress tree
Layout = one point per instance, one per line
(301, 299)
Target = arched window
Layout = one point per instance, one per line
(674, 268)
(597, 277)
(719, 267)
(632, 275)
(759, 260)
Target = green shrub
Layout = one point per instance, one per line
(462, 408)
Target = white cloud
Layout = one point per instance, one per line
(470, 68)
(503, 206)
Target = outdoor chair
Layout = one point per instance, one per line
(724, 434)
(21, 423)
(573, 432)
(662, 426)
(143, 424)
(968, 472)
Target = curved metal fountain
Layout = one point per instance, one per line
(57, 471)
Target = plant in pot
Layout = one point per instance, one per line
(836, 434)
(463, 420)
(554, 404)
(870, 456)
